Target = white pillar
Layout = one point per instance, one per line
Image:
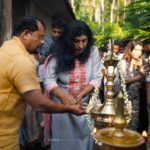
(7, 19)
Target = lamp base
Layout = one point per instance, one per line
(111, 141)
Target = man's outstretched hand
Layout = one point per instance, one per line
(77, 109)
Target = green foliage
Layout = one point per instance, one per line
(139, 14)
(140, 34)
(112, 31)
(117, 33)
(139, 18)
(136, 25)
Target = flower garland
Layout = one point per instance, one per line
(128, 104)
(91, 104)
(91, 126)
(96, 90)
(94, 98)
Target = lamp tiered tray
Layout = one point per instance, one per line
(111, 117)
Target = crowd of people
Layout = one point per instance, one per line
(45, 81)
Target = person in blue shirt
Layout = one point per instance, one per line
(58, 27)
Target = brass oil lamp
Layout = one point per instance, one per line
(107, 110)
(104, 116)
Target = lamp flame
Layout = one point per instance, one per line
(94, 130)
(144, 134)
(110, 119)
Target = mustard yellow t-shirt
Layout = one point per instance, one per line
(17, 75)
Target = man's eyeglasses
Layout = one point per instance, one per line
(40, 37)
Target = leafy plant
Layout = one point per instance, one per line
(136, 24)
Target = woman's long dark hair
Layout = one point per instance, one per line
(65, 50)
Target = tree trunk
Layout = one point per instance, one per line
(73, 5)
(99, 18)
(7, 20)
(102, 14)
(118, 6)
(124, 4)
(93, 8)
(112, 12)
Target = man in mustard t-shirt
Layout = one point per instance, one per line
(19, 83)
